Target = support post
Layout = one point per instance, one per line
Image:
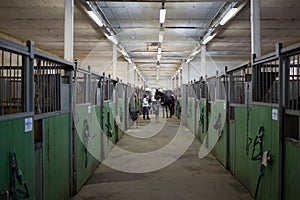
(203, 62)
(69, 30)
(114, 62)
(255, 28)
(283, 79)
(179, 78)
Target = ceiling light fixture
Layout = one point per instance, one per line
(162, 15)
(161, 33)
(128, 59)
(159, 50)
(112, 38)
(160, 38)
(228, 15)
(208, 38)
(95, 18)
(158, 57)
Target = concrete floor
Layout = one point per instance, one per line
(187, 178)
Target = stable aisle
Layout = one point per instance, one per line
(188, 177)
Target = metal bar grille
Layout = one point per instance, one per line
(11, 100)
(266, 86)
(203, 89)
(47, 82)
(197, 89)
(80, 87)
(293, 82)
(221, 93)
(211, 89)
(237, 86)
(93, 89)
(106, 89)
(191, 90)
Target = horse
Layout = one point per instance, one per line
(167, 103)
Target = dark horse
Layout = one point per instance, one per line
(167, 101)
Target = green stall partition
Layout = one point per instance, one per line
(238, 158)
(120, 118)
(88, 152)
(109, 127)
(202, 120)
(217, 131)
(16, 139)
(57, 161)
(191, 114)
(197, 118)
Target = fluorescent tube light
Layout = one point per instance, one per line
(95, 18)
(228, 16)
(162, 15)
(128, 59)
(208, 38)
(160, 38)
(112, 38)
(158, 57)
(159, 50)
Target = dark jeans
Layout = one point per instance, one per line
(171, 108)
(145, 112)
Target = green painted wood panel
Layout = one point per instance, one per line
(291, 181)
(92, 115)
(262, 116)
(191, 114)
(14, 139)
(232, 148)
(57, 157)
(218, 134)
(202, 119)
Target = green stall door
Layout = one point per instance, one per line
(57, 159)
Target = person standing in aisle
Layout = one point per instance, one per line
(145, 107)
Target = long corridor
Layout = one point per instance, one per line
(188, 177)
